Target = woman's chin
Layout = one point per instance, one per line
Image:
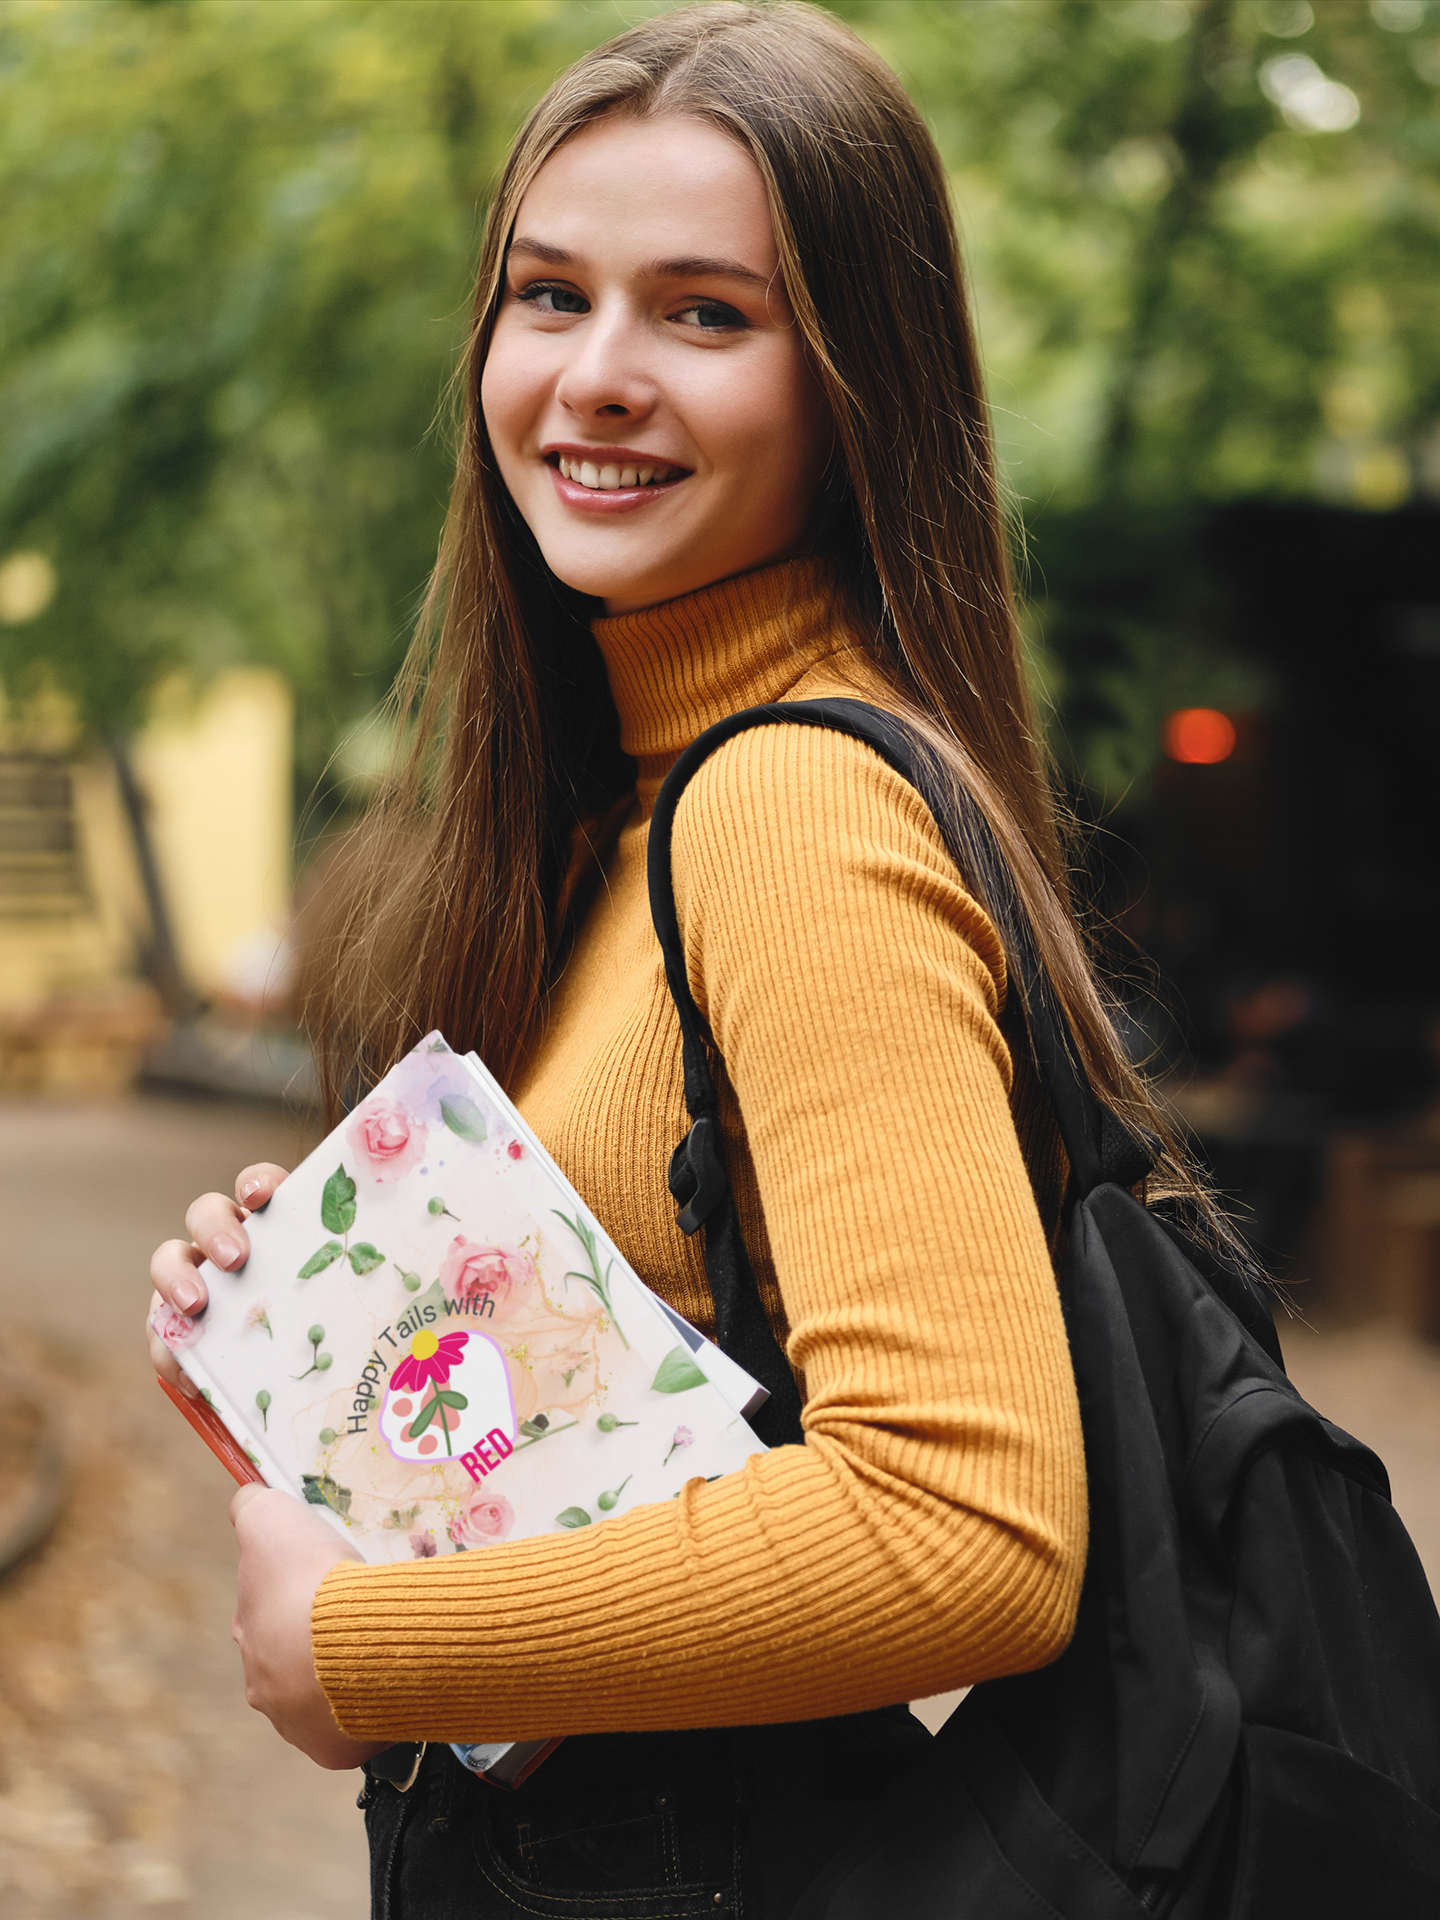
(624, 589)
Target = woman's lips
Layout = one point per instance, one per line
(573, 493)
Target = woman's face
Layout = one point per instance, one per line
(646, 391)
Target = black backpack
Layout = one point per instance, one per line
(1246, 1722)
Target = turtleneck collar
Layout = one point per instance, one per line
(677, 668)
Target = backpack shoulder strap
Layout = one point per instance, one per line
(1099, 1148)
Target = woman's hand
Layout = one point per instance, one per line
(217, 1232)
(285, 1552)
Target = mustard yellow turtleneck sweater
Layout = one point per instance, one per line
(931, 1531)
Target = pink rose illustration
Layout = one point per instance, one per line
(175, 1329)
(469, 1270)
(386, 1138)
(484, 1517)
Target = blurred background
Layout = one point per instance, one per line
(235, 241)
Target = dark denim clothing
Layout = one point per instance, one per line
(634, 1826)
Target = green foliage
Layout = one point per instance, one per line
(317, 1263)
(677, 1373)
(1163, 258)
(1184, 297)
(464, 1118)
(337, 1202)
(234, 248)
(235, 242)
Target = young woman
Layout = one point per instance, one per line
(724, 442)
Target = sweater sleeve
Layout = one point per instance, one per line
(931, 1530)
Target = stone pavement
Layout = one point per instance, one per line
(133, 1778)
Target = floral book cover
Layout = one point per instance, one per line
(434, 1342)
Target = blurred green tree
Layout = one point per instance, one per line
(1206, 243)
(233, 251)
(234, 244)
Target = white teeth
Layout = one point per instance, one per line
(587, 473)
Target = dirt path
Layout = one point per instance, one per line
(133, 1778)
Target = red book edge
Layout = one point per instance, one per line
(216, 1435)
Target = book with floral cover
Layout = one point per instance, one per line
(436, 1345)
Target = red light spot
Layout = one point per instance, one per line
(1199, 736)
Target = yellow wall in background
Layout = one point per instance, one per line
(216, 770)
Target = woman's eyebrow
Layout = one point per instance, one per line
(680, 269)
(542, 250)
(704, 264)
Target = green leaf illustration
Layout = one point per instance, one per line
(364, 1258)
(433, 1296)
(322, 1491)
(318, 1262)
(451, 1398)
(462, 1116)
(598, 1282)
(422, 1419)
(573, 1517)
(677, 1373)
(337, 1202)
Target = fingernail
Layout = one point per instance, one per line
(188, 1387)
(224, 1251)
(187, 1295)
(249, 1190)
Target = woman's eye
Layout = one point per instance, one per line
(711, 316)
(552, 299)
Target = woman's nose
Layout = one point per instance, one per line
(606, 373)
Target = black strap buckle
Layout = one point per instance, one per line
(697, 1176)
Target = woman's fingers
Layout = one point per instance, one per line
(213, 1222)
(174, 1276)
(216, 1223)
(255, 1186)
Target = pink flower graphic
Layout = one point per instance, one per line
(431, 1357)
(386, 1138)
(175, 1329)
(470, 1270)
(484, 1517)
(683, 1437)
(428, 1364)
(422, 1546)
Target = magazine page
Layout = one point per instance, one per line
(434, 1341)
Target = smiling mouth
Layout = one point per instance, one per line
(612, 477)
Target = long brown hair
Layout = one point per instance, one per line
(446, 905)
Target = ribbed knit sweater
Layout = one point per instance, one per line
(931, 1530)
